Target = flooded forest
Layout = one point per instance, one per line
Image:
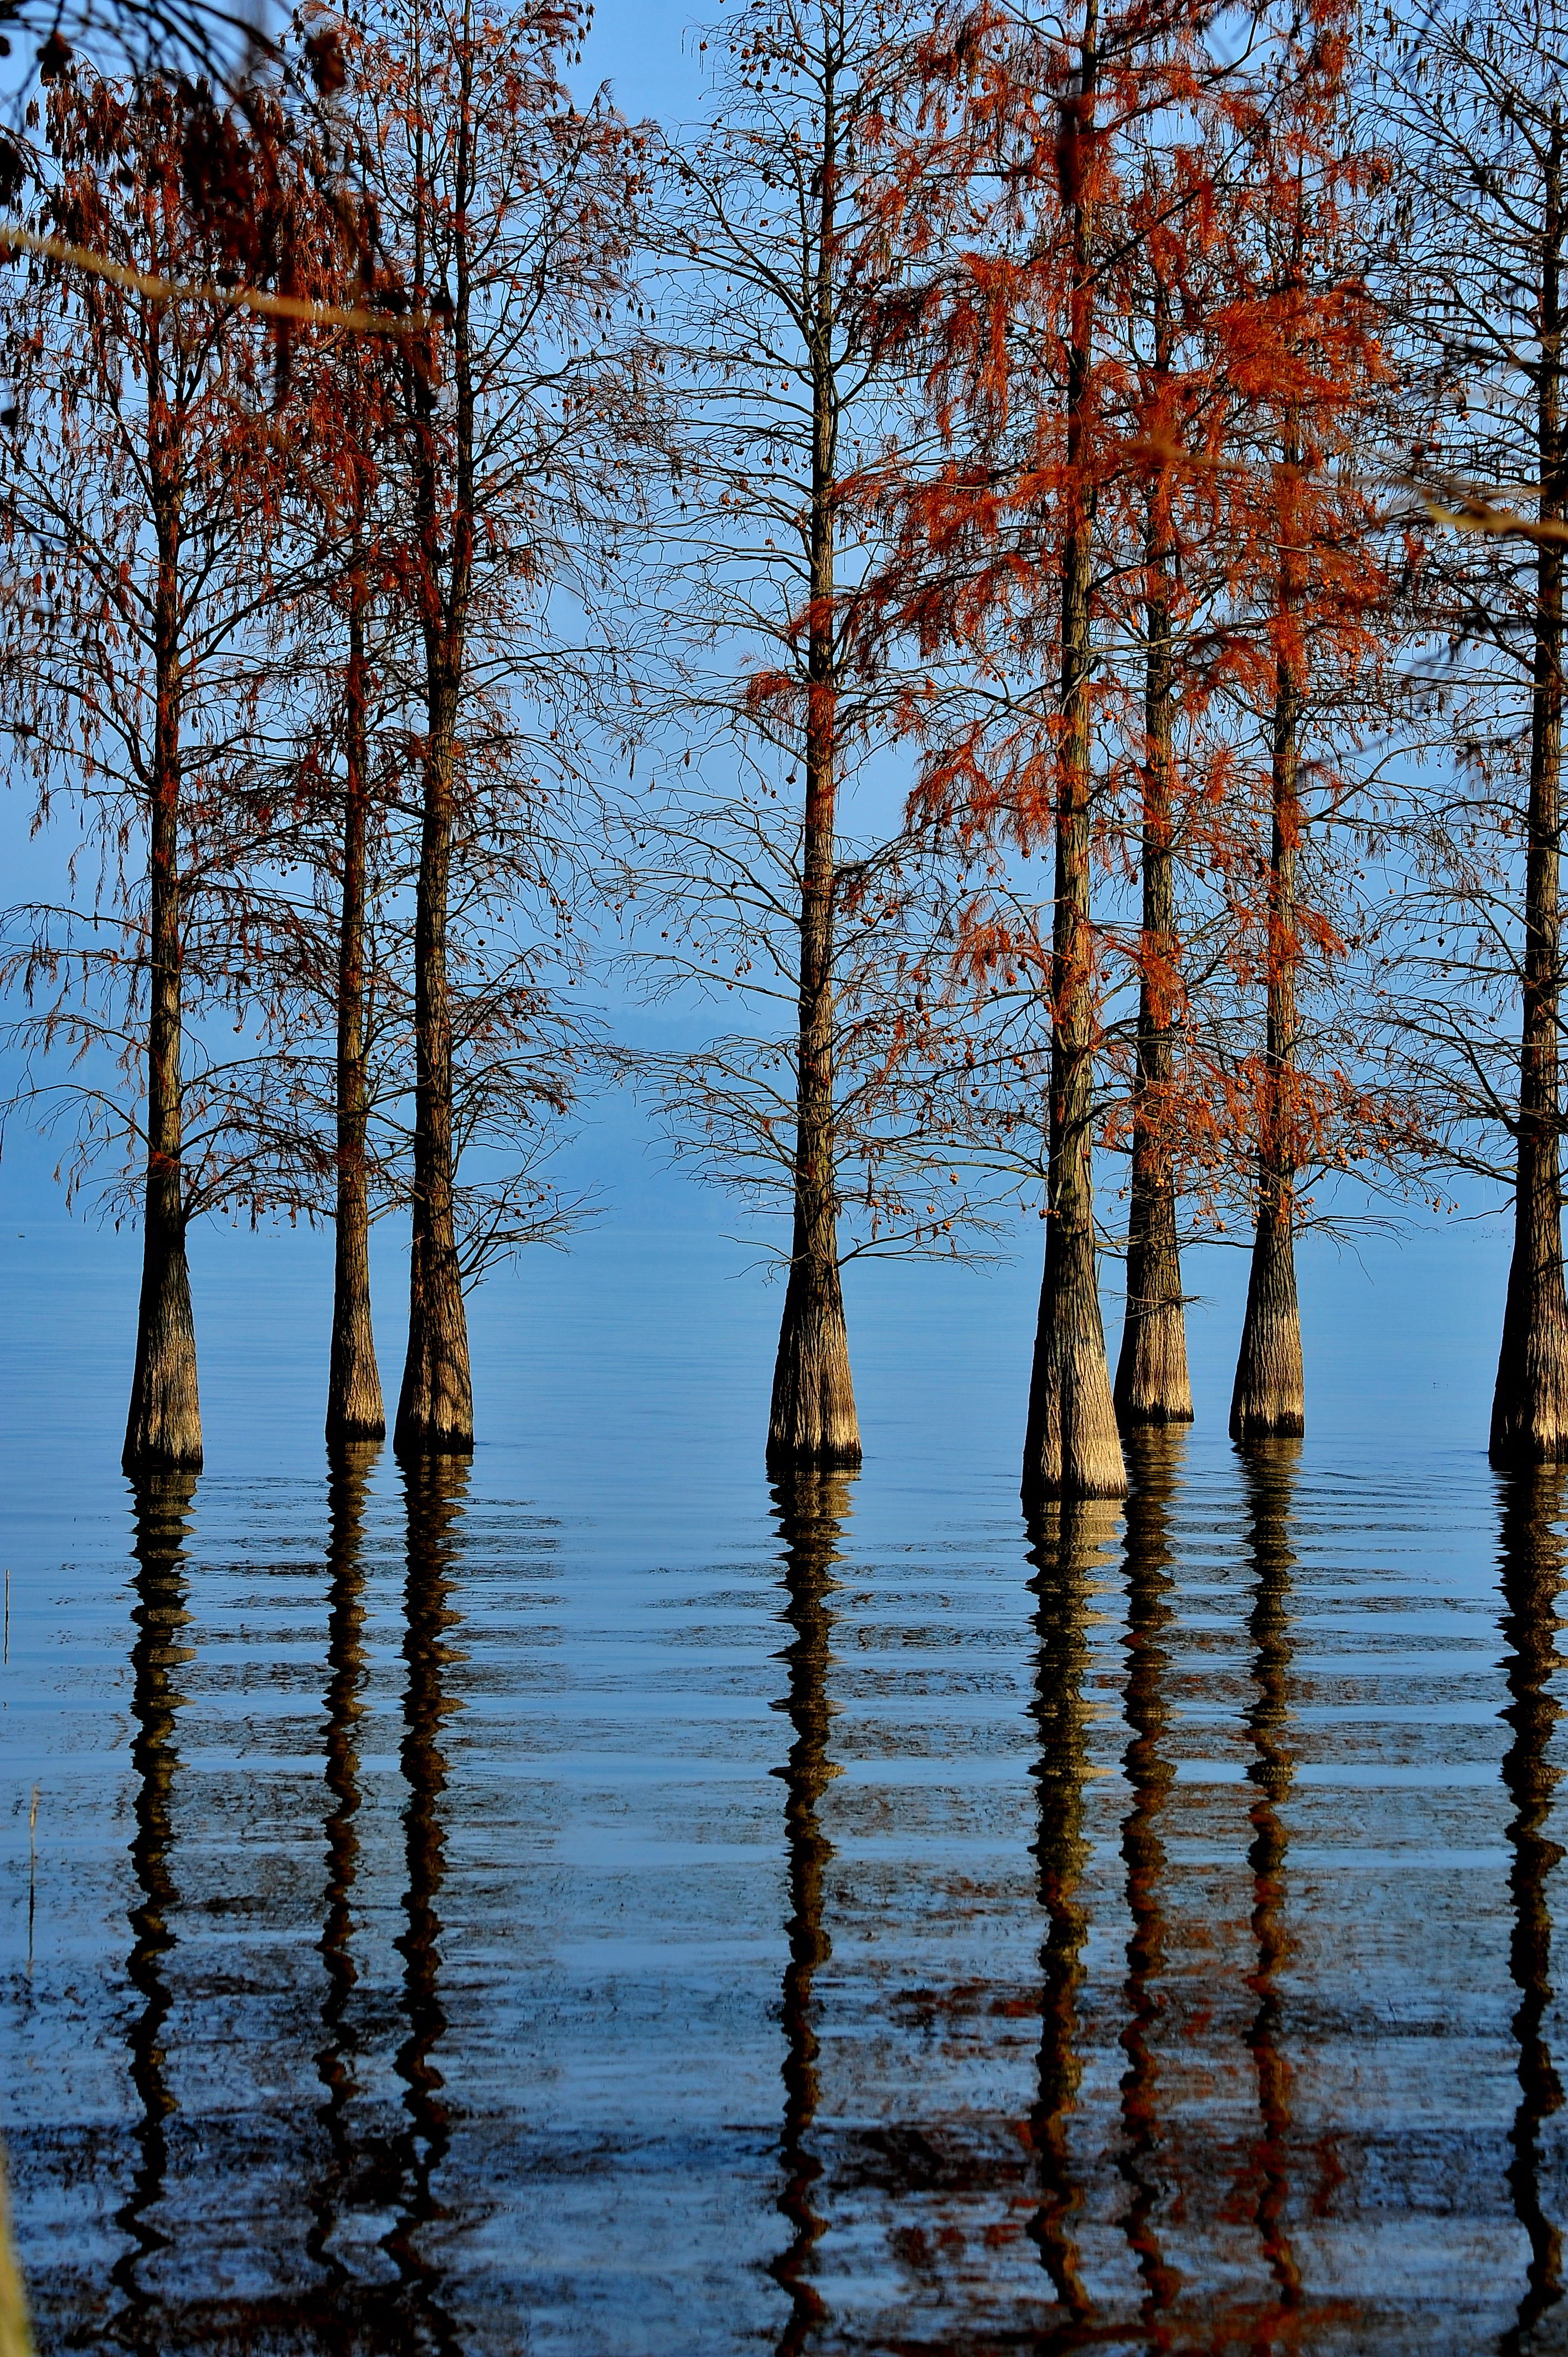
(781, 1109)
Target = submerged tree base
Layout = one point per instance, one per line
(1529, 1424)
(812, 1421)
(1269, 1400)
(1072, 1447)
(435, 1404)
(1152, 1382)
(1530, 1403)
(163, 1430)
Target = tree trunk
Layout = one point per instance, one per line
(1072, 1449)
(354, 1409)
(163, 1430)
(436, 1410)
(1269, 1398)
(1530, 1405)
(435, 1407)
(1152, 1383)
(812, 1419)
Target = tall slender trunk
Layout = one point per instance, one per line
(163, 1430)
(1269, 1396)
(812, 1419)
(1530, 1405)
(1072, 1449)
(1152, 1383)
(354, 1409)
(435, 1407)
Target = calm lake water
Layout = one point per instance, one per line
(587, 1901)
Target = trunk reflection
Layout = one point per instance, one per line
(1067, 1546)
(1269, 1469)
(161, 1505)
(1531, 1580)
(811, 1508)
(1154, 1461)
(435, 1489)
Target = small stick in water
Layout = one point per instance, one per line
(32, 1874)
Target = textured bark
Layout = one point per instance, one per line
(1269, 1396)
(354, 1408)
(1152, 1382)
(812, 1419)
(435, 1406)
(1530, 1405)
(1072, 1448)
(811, 1505)
(163, 1430)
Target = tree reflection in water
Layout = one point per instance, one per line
(1067, 1546)
(161, 1506)
(810, 1507)
(1533, 1503)
(350, 1469)
(408, 2312)
(1268, 1470)
(1154, 1461)
(434, 1489)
